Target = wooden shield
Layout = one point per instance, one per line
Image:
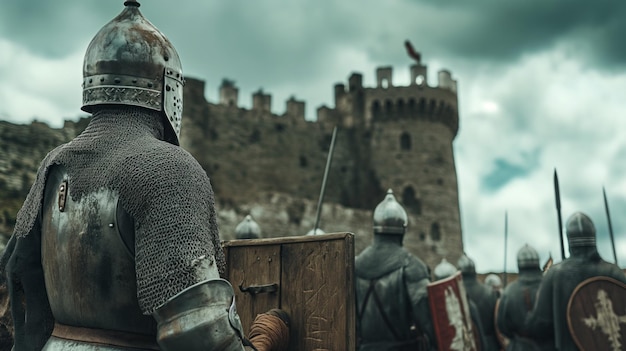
(309, 277)
(451, 314)
(596, 314)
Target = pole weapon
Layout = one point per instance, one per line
(557, 196)
(608, 218)
(506, 236)
(329, 159)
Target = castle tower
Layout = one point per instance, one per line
(408, 134)
(262, 101)
(295, 108)
(229, 93)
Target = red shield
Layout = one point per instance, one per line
(450, 313)
(596, 314)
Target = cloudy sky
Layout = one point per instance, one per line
(542, 85)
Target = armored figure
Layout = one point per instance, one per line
(446, 269)
(391, 288)
(248, 229)
(484, 298)
(548, 319)
(116, 246)
(495, 283)
(518, 299)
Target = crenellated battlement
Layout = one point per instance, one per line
(359, 105)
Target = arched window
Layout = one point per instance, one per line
(410, 201)
(405, 141)
(400, 106)
(435, 233)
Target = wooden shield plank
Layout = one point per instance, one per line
(316, 286)
(450, 314)
(596, 314)
(254, 266)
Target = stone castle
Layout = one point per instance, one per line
(271, 166)
(397, 137)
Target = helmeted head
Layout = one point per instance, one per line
(527, 258)
(444, 270)
(580, 231)
(466, 265)
(130, 62)
(248, 229)
(316, 231)
(390, 218)
(493, 281)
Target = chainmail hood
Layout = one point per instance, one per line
(159, 184)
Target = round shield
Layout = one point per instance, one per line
(596, 314)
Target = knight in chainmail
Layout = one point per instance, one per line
(391, 288)
(548, 319)
(518, 300)
(117, 241)
(485, 299)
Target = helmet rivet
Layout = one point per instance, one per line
(102, 80)
(168, 88)
(149, 85)
(117, 81)
(134, 80)
(90, 80)
(166, 58)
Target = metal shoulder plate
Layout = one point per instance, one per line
(596, 314)
(201, 317)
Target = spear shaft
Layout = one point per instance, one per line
(329, 159)
(608, 217)
(557, 195)
(506, 237)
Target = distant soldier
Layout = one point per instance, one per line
(518, 300)
(495, 283)
(484, 298)
(549, 318)
(391, 288)
(248, 229)
(446, 269)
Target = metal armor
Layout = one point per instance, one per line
(389, 216)
(130, 62)
(527, 258)
(201, 317)
(391, 288)
(518, 300)
(248, 229)
(484, 298)
(548, 319)
(444, 270)
(89, 268)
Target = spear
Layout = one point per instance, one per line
(608, 217)
(557, 195)
(329, 158)
(506, 236)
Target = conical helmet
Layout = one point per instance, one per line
(389, 216)
(580, 230)
(493, 281)
(130, 62)
(316, 231)
(444, 270)
(527, 257)
(248, 229)
(466, 265)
